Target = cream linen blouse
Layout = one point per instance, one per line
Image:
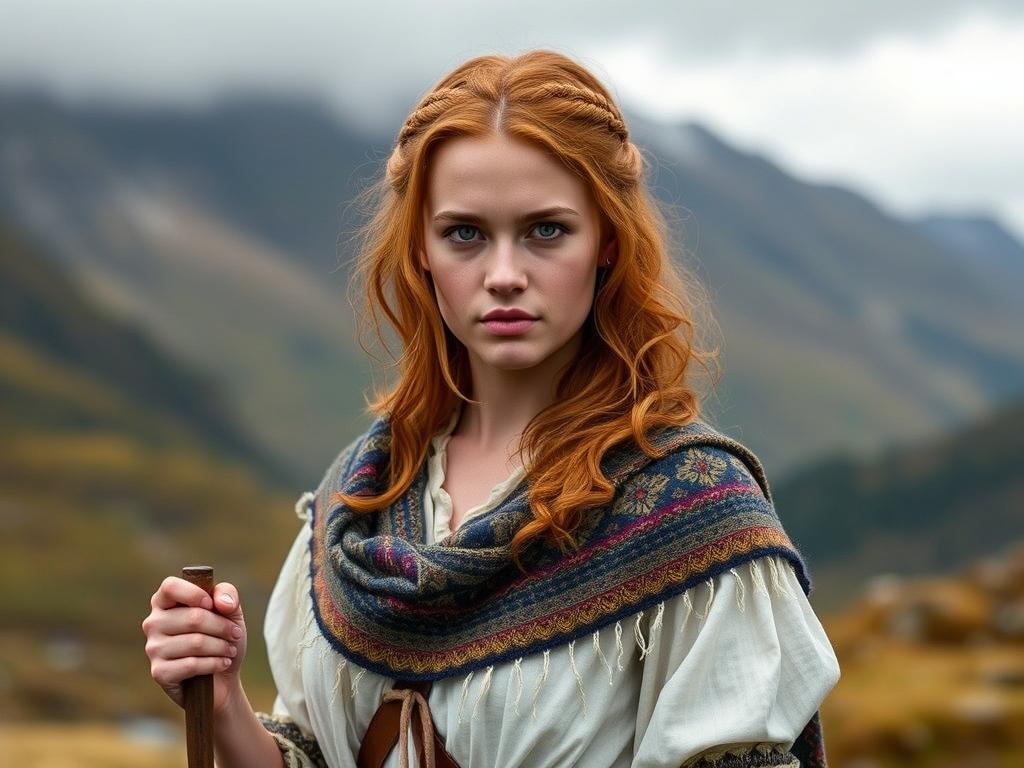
(736, 661)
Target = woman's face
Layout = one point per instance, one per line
(493, 242)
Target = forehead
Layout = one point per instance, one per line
(499, 173)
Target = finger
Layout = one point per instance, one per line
(176, 591)
(226, 600)
(183, 620)
(194, 644)
(173, 672)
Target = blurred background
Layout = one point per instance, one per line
(178, 360)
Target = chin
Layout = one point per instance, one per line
(516, 363)
(512, 360)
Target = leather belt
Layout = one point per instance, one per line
(390, 725)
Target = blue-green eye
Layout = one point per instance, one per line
(557, 228)
(460, 228)
(553, 228)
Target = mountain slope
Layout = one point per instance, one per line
(70, 364)
(844, 325)
(152, 236)
(915, 507)
(218, 229)
(986, 247)
(117, 468)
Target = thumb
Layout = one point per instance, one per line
(227, 602)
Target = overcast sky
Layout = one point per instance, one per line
(916, 103)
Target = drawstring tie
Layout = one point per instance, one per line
(409, 699)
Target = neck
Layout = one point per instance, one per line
(506, 402)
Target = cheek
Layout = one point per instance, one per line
(574, 289)
(454, 291)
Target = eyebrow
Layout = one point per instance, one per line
(460, 216)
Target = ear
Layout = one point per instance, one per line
(610, 251)
(422, 256)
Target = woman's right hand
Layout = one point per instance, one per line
(187, 634)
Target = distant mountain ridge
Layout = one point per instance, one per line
(985, 245)
(224, 232)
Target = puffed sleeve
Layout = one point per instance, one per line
(738, 666)
(289, 721)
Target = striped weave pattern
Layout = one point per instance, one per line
(405, 609)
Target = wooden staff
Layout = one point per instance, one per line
(198, 690)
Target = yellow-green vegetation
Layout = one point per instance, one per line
(902, 705)
(93, 522)
(932, 671)
(118, 466)
(82, 745)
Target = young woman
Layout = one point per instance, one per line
(539, 554)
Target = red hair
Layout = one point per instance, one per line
(638, 343)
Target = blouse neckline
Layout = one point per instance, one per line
(441, 501)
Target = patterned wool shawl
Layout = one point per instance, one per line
(404, 609)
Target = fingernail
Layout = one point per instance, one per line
(226, 599)
(207, 602)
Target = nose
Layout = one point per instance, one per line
(504, 269)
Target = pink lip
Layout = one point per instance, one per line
(509, 327)
(513, 313)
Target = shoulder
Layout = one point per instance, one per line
(699, 457)
(697, 481)
(354, 453)
(706, 493)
